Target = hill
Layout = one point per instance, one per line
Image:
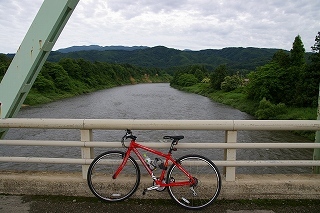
(99, 48)
(163, 57)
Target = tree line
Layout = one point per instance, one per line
(288, 79)
(70, 77)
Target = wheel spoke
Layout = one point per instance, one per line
(207, 182)
(100, 177)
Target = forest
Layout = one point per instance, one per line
(166, 58)
(288, 80)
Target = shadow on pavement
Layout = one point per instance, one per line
(51, 204)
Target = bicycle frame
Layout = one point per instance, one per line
(134, 146)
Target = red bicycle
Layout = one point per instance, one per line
(193, 181)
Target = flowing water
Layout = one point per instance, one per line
(147, 101)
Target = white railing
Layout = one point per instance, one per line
(86, 126)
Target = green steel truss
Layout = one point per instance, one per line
(32, 53)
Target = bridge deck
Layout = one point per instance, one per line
(273, 186)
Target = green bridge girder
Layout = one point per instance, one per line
(31, 55)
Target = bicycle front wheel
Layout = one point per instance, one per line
(207, 182)
(100, 176)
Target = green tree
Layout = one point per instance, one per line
(4, 64)
(71, 66)
(311, 78)
(217, 76)
(199, 74)
(280, 81)
(315, 57)
(56, 73)
(266, 82)
(187, 80)
(231, 83)
(43, 85)
(282, 58)
(267, 110)
(293, 93)
(297, 52)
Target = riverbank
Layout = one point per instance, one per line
(237, 99)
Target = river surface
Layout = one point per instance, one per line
(147, 101)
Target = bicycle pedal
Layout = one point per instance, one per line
(149, 189)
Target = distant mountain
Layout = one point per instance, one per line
(99, 48)
(163, 57)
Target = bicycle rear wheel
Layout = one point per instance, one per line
(100, 173)
(208, 182)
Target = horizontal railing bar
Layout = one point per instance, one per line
(136, 124)
(269, 163)
(218, 163)
(40, 123)
(45, 160)
(229, 126)
(163, 145)
(42, 143)
(249, 145)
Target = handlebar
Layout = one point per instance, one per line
(128, 135)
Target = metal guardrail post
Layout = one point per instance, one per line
(230, 155)
(86, 152)
(316, 152)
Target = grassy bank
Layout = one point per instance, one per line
(238, 100)
(35, 97)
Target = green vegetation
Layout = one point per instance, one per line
(266, 83)
(285, 88)
(70, 77)
(167, 58)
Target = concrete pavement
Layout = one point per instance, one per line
(246, 186)
(61, 204)
(68, 192)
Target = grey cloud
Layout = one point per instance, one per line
(130, 9)
(185, 24)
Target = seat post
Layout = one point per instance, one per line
(174, 142)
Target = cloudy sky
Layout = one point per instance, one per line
(179, 24)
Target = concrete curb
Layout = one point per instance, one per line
(270, 186)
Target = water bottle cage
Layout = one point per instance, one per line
(152, 167)
(161, 166)
(159, 163)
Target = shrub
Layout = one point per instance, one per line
(187, 80)
(231, 83)
(267, 110)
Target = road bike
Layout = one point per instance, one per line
(193, 181)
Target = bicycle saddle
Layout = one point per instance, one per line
(179, 137)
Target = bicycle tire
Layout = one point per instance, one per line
(208, 182)
(100, 177)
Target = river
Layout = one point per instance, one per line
(147, 101)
